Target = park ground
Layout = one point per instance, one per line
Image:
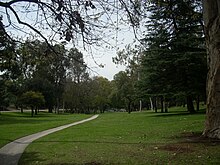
(114, 138)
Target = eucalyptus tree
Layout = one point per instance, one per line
(77, 70)
(125, 89)
(77, 89)
(211, 17)
(44, 69)
(101, 99)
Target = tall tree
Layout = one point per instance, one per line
(77, 70)
(175, 50)
(9, 65)
(77, 89)
(44, 69)
(211, 10)
(125, 89)
(101, 93)
(9, 68)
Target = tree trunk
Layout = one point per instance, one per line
(36, 111)
(129, 106)
(22, 109)
(189, 102)
(140, 105)
(166, 104)
(32, 111)
(155, 104)
(50, 109)
(211, 14)
(151, 104)
(166, 107)
(161, 102)
(197, 103)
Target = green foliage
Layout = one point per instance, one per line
(77, 89)
(101, 94)
(88, 96)
(77, 67)
(9, 66)
(174, 62)
(32, 99)
(9, 69)
(125, 90)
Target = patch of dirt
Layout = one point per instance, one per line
(93, 163)
(187, 141)
(178, 148)
(196, 137)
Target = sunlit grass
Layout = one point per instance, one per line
(121, 138)
(14, 124)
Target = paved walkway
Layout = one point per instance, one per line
(11, 153)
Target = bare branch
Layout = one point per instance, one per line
(26, 24)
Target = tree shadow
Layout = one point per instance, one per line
(88, 163)
(30, 158)
(88, 142)
(178, 113)
(196, 137)
(189, 142)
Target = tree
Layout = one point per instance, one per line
(77, 67)
(211, 17)
(69, 20)
(77, 87)
(44, 69)
(175, 51)
(8, 59)
(115, 99)
(125, 89)
(33, 100)
(101, 93)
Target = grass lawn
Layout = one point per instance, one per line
(121, 138)
(14, 125)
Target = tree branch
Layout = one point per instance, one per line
(26, 24)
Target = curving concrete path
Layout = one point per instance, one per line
(11, 152)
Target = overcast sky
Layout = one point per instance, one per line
(104, 56)
(119, 37)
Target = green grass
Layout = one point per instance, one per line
(121, 138)
(15, 125)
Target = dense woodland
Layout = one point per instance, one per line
(168, 67)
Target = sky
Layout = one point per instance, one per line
(109, 68)
(104, 56)
(117, 37)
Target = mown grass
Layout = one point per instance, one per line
(14, 125)
(121, 138)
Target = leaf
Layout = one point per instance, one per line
(68, 35)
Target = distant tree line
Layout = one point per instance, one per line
(36, 75)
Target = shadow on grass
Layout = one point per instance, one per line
(21, 118)
(21, 121)
(177, 113)
(88, 163)
(91, 142)
(191, 143)
(196, 137)
(30, 158)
